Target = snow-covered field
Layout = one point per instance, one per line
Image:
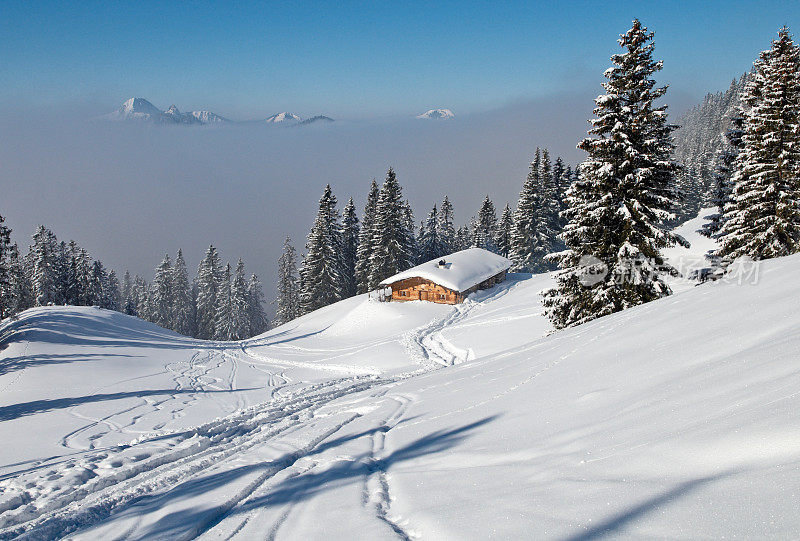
(677, 419)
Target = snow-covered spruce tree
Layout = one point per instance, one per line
(462, 239)
(534, 235)
(6, 300)
(559, 170)
(625, 192)
(723, 173)
(209, 276)
(390, 237)
(20, 292)
(485, 230)
(350, 236)
(288, 300)
(182, 308)
(255, 302)
(113, 300)
(502, 239)
(411, 238)
(321, 280)
(566, 182)
(141, 291)
(223, 319)
(428, 243)
(98, 285)
(762, 220)
(240, 307)
(365, 236)
(552, 209)
(446, 229)
(42, 265)
(161, 298)
(83, 275)
(128, 300)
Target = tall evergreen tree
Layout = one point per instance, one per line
(429, 245)
(209, 277)
(223, 317)
(129, 301)
(83, 275)
(411, 238)
(485, 231)
(98, 290)
(626, 191)
(723, 173)
(182, 307)
(446, 229)
(42, 264)
(533, 236)
(6, 298)
(288, 301)
(20, 295)
(502, 239)
(255, 302)
(161, 297)
(141, 293)
(762, 220)
(113, 300)
(559, 172)
(240, 305)
(321, 280)
(350, 241)
(390, 237)
(365, 236)
(462, 239)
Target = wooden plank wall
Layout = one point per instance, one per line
(414, 289)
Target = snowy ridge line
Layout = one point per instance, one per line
(205, 446)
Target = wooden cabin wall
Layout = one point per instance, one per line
(414, 289)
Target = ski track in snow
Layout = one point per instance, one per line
(123, 482)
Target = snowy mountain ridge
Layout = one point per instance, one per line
(142, 110)
(677, 418)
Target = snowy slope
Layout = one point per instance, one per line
(675, 419)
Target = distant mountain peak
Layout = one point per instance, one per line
(284, 117)
(437, 114)
(135, 109)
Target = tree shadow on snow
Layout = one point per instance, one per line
(13, 364)
(14, 411)
(612, 525)
(298, 487)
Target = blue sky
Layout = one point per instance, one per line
(250, 59)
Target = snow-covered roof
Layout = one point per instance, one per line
(463, 269)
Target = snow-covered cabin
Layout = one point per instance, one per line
(449, 279)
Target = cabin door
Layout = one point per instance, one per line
(423, 296)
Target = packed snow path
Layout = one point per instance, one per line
(402, 421)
